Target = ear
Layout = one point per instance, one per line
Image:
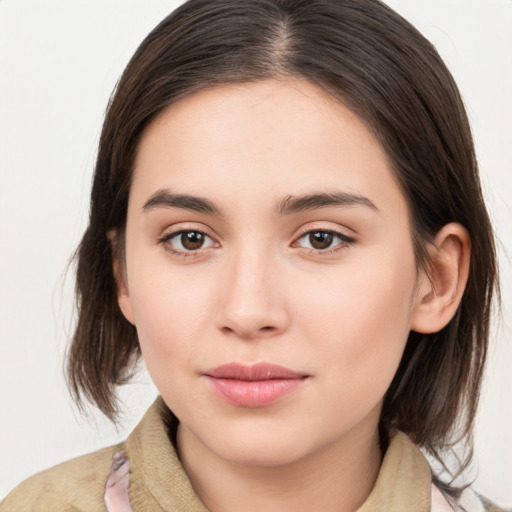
(439, 293)
(119, 268)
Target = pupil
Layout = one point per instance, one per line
(320, 239)
(192, 240)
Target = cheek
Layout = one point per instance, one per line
(360, 323)
(170, 310)
(168, 326)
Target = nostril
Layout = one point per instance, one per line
(266, 329)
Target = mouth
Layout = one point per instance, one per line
(253, 386)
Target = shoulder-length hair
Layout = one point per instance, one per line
(373, 61)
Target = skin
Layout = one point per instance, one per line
(257, 290)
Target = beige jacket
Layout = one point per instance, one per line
(158, 483)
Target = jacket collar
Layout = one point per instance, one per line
(159, 482)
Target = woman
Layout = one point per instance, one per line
(286, 221)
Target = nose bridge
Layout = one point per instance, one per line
(252, 304)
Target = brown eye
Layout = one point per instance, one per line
(192, 240)
(323, 240)
(187, 241)
(320, 239)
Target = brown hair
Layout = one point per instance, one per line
(372, 60)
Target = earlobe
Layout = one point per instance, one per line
(125, 306)
(439, 293)
(123, 296)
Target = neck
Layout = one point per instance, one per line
(336, 478)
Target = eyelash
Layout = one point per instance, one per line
(165, 239)
(343, 239)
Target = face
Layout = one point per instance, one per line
(269, 270)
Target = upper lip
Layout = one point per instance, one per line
(259, 371)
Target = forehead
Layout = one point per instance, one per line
(262, 140)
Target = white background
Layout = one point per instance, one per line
(59, 61)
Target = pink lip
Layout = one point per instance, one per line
(253, 386)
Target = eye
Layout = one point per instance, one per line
(323, 240)
(187, 241)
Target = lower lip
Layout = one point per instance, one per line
(253, 393)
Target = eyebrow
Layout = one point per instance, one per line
(309, 202)
(164, 198)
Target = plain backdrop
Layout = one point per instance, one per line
(59, 61)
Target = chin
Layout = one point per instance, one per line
(258, 446)
(270, 455)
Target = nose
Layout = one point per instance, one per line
(253, 301)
